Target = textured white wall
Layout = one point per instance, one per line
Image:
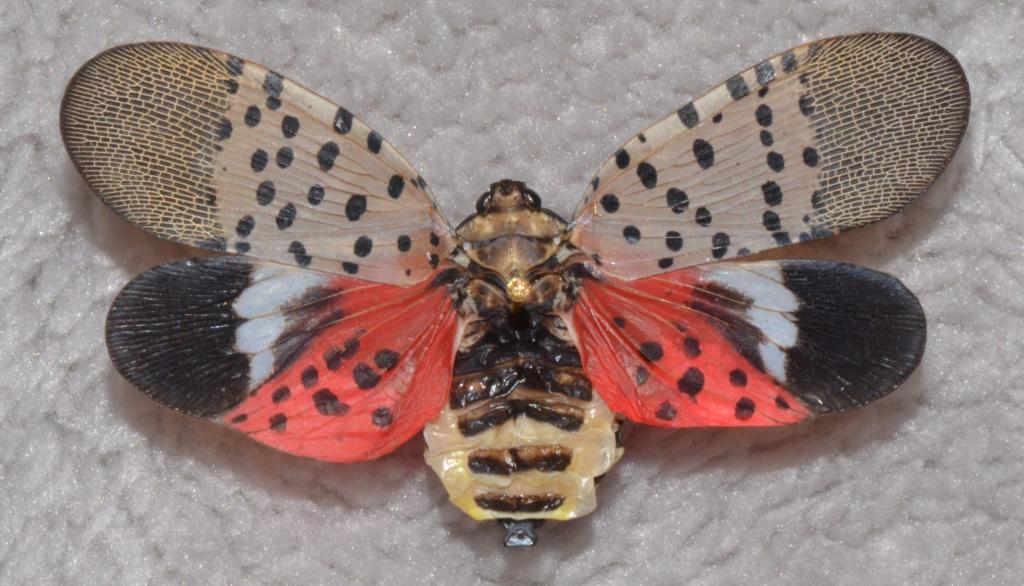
(100, 485)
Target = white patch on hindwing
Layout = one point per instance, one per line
(263, 306)
(771, 310)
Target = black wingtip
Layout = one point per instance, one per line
(170, 332)
(521, 533)
(862, 334)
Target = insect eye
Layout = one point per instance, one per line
(483, 203)
(532, 199)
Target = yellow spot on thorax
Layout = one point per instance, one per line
(518, 289)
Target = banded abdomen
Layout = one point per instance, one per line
(523, 435)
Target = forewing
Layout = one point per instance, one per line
(323, 366)
(201, 147)
(823, 138)
(758, 344)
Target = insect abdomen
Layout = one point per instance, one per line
(523, 435)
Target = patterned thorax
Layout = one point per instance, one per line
(511, 234)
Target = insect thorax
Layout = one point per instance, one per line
(512, 235)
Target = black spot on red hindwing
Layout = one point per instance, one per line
(691, 346)
(652, 351)
(327, 403)
(619, 321)
(310, 376)
(781, 403)
(385, 359)
(381, 417)
(666, 411)
(278, 422)
(280, 394)
(692, 382)
(642, 375)
(738, 378)
(365, 377)
(744, 409)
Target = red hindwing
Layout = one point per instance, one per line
(366, 382)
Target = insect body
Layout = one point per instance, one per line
(351, 316)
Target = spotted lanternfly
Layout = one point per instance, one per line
(351, 315)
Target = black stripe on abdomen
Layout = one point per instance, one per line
(564, 417)
(507, 461)
(527, 503)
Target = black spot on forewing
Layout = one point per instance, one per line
(737, 87)
(765, 73)
(648, 175)
(325, 157)
(355, 207)
(373, 141)
(289, 126)
(273, 84)
(704, 153)
(315, 196)
(677, 200)
(688, 115)
(343, 121)
(395, 186)
(622, 159)
(610, 203)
